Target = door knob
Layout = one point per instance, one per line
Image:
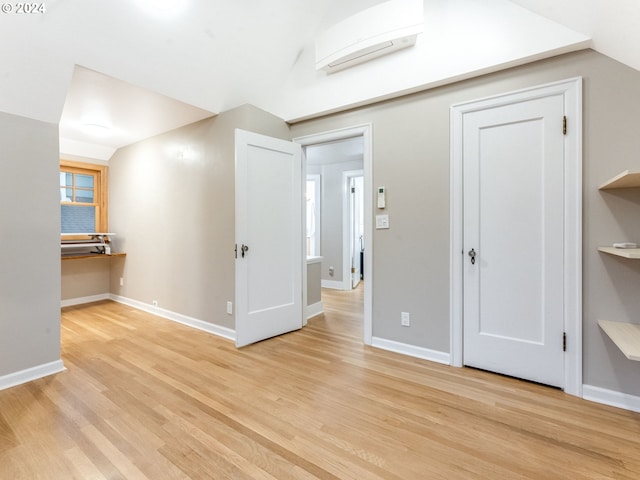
(472, 255)
(243, 249)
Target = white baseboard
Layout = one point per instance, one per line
(314, 309)
(411, 350)
(332, 284)
(611, 397)
(30, 374)
(177, 317)
(80, 300)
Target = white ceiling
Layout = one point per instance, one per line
(612, 25)
(215, 55)
(128, 113)
(335, 152)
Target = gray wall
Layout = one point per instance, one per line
(411, 158)
(86, 277)
(30, 244)
(174, 215)
(314, 289)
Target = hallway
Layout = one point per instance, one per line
(343, 312)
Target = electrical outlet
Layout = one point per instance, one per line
(405, 319)
(230, 308)
(154, 303)
(122, 281)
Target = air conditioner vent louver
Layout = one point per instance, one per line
(374, 32)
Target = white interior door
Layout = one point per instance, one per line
(513, 181)
(269, 237)
(352, 226)
(356, 228)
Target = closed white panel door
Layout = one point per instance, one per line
(269, 237)
(513, 181)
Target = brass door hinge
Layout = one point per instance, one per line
(564, 125)
(564, 341)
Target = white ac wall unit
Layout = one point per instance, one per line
(374, 32)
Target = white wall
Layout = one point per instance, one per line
(461, 39)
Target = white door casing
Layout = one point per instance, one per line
(526, 234)
(269, 236)
(341, 134)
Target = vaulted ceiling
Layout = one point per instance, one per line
(161, 66)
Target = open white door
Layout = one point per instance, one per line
(269, 237)
(356, 230)
(352, 227)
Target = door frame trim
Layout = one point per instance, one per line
(571, 90)
(347, 175)
(365, 131)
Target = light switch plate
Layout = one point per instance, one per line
(382, 221)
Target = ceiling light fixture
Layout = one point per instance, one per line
(96, 129)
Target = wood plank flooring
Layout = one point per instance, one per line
(145, 398)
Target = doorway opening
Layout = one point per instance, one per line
(337, 170)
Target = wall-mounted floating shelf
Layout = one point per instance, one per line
(633, 253)
(626, 336)
(625, 179)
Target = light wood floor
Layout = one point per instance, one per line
(145, 398)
